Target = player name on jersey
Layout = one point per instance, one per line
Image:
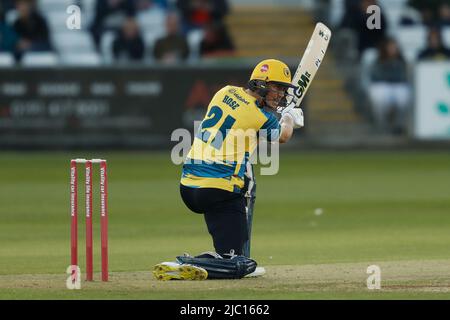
(230, 102)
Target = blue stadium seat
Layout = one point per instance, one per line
(368, 58)
(6, 60)
(106, 44)
(412, 40)
(152, 21)
(73, 41)
(446, 36)
(91, 59)
(194, 38)
(40, 59)
(54, 5)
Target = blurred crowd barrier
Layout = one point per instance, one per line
(118, 108)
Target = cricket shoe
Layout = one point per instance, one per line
(175, 271)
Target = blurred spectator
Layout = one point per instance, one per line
(433, 12)
(31, 28)
(196, 14)
(444, 15)
(173, 47)
(355, 18)
(216, 42)
(435, 49)
(351, 8)
(8, 37)
(389, 90)
(428, 17)
(8, 5)
(143, 5)
(128, 45)
(110, 15)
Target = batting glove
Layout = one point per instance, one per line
(296, 114)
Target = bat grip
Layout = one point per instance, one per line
(288, 108)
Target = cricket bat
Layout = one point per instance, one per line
(310, 62)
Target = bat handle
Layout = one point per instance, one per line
(288, 108)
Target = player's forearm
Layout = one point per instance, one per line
(287, 129)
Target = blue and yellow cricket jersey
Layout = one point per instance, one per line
(226, 138)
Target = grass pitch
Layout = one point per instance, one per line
(391, 209)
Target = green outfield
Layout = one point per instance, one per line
(391, 209)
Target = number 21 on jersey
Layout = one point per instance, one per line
(214, 115)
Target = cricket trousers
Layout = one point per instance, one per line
(224, 214)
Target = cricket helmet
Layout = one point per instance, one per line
(269, 71)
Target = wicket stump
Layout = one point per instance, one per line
(103, 215)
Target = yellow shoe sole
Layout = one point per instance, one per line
(166, 272)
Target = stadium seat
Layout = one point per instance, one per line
(90, 59)
(392, 4)
(393, 17)
(152, 24)
(6, 60)
(412, 40)
(88, 10)
(54, 5)
(149, 41)
(40, 59)
(446, 36)
(194, 38)
(336, 12)
(368, 58)
(106, 46)
(73, 41)
(152, 21)
(57, 20)
(10, 17)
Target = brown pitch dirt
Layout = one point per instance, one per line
(414, 279)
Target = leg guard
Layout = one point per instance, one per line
(217, 267)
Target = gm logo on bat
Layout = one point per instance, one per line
(302, 83)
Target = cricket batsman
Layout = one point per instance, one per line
(214, 178)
